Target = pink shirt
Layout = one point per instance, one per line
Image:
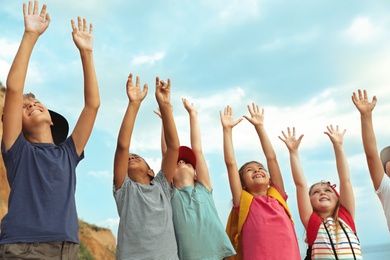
(268, 232)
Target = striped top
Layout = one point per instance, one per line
(322, 247)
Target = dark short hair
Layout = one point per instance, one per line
(134, 154)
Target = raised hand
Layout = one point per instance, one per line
(189, 107)
(82, 37)
(336, 137)
(33, 22)
(134, 92)
(361, 102)
(227, 118)
(290, 140)
(257, 116)
(163, 91)
(157, 112)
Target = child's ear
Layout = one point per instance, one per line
(151, 173)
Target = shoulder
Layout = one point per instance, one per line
(385, 184)
(200, 186)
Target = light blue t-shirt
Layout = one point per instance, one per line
(145, 226)
(198, 228)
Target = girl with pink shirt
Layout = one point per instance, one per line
(260, 224)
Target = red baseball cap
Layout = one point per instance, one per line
(186, 154)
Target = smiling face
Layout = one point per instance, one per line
(254, 177)
(34, 113)
(323, 198)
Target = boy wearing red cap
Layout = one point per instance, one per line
(198, 228)
(41, 161)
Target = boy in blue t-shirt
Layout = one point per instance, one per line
(39, 158)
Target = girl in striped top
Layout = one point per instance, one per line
(328, 217)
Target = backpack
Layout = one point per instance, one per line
(236, 221)
(315, 222)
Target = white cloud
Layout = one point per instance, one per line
(137, 60)
(362, 30)
(8, 49)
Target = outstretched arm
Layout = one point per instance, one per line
(347, 198)
(374, 162)
(303, 198)
(228, 123)
(163, 144)
(121, 159)
(163, 97)
(35, 23)
(202, 172)
(83, 39)
(257, 120)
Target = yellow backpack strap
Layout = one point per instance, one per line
(274, 193)
(245, 203)
(235, 223)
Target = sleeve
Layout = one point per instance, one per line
(119, 194)
(383, 193)
(167, 188)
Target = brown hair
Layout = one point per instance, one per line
(241, 171)
(29, 95)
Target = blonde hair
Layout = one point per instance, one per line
(335, 212)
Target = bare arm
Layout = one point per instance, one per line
(257, 120)
(202, 172)
(347, 198)
(228, 123)
(303, 198)
(169, 161)
(83, 40)
(121, 159)
(35, 24)
(163, 144)
(374, 162)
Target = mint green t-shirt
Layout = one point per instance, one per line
(198, 228)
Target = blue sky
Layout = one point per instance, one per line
(300, 60)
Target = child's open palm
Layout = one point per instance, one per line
(81, 36)
(227, 118)
(257, 116)
(290, 139)
(336, 137)
(134, 92)
(34, 22)
(361, 102)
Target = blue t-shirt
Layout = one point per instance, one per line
(198, 228)
(41, 205)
